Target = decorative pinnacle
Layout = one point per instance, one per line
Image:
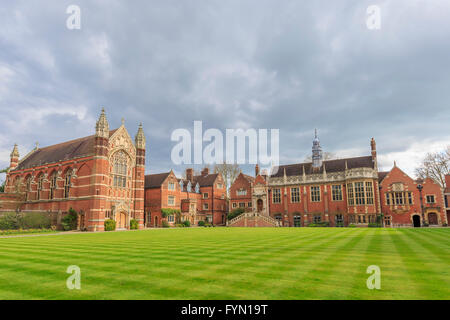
(15, 152)
(140, 138)
(102, 126)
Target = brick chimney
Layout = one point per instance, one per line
(447, 182)
(205, 171)
(256, 170)
(373, 147)
(189, 174)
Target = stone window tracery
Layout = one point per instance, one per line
(120, 169)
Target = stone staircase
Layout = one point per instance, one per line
(253, 219)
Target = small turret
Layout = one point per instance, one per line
(14, 157)
(316, 153)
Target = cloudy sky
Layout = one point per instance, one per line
(291, 65)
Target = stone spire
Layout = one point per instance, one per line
(102, 126)
(14, 157)
(316, 153)
(139, 139)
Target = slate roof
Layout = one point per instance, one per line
(155, 180)
(330, 166)
(60, 152)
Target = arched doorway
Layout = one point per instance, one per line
(416, 221)
(259, 205)
(297, 221)
(121, 220)
(156, 221)
(432, 219)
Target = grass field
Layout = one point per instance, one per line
(229, 263)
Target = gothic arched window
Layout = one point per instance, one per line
(197, 188)
(189, 187)
(53, 185)
(39, 187)
(27, 192)
(181, 185)
(120, 169)
(67, 183)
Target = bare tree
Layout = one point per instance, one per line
(326, 156)
(435, 166)
(229, 173)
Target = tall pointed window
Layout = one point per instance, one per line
(39, 186)
(67, 183)
(27, 193)
(53, 186)
(120, 169)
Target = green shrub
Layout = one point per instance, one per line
(165, 212)
(28, 220)
(201, 223)
(186, 223)
(374, 225)
(165, 224)
(21, 231)
(236, 212)
(320, 224)
(69, 222)
(36, 220)
(179, 225)
(352, 225)
(10, 221)
(207, 224)
(110, 225)
(134, 224)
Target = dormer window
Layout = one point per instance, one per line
(197, 188)
(181, 185)
(189, 187)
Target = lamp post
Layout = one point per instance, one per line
(420, 187)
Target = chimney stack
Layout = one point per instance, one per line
(256, 170)
(205, 171)
(189, 174)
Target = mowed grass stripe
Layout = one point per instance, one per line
(425, 278)
(225, 263)
(250, 276)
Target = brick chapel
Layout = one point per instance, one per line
(100, 176)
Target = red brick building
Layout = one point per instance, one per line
(447, 197)
(338, 192)
(401, 200)
(198, 197)
(100, 176)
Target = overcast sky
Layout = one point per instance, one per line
(290, 65)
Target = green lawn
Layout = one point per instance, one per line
(229, 263)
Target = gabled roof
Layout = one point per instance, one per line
(206, 180)
(330, 166)
(249, 178)
(60, 152)
(155, 180)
